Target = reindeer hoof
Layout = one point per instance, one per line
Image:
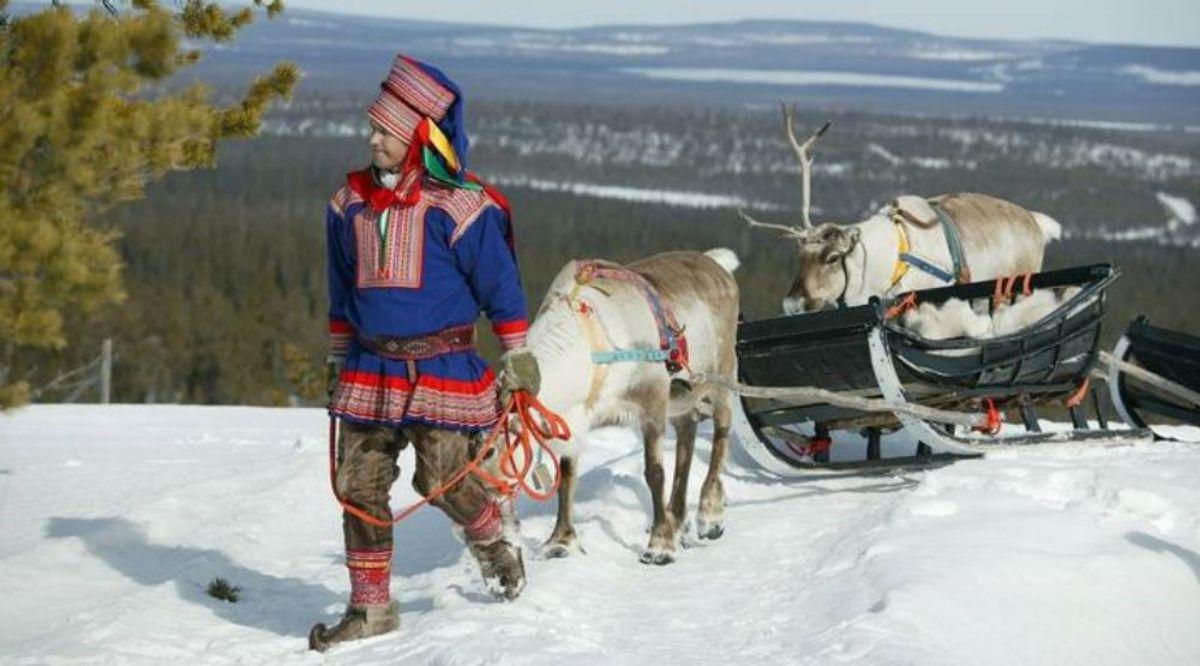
(556, 548)
(710, 531)
(556, 551)
(657, 557)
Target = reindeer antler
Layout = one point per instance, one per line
(802, 155)
(790, 231)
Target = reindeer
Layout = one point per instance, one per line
(615, 377)
(912, 243)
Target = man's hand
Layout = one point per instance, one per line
(518, 372)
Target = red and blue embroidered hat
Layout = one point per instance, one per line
(414, 91)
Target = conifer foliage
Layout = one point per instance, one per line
(89, 113)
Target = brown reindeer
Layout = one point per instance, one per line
(597, 308)
(912, 243)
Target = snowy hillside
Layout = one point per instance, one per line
(1102, 181)
(757, 61)
(113, 520)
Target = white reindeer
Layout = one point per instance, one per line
(582, 318)
(913, 243)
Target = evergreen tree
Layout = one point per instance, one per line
(87, 118)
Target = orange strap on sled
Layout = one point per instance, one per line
(1006, 287)
(1076, 398)
(901, 306)
(994, 418)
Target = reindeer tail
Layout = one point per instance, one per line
(1051, 229)
(727, 258)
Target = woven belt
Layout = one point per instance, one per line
(447, 341)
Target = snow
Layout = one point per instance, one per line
(797, 39)
(678, 198)
(783, 77)
(1181, 214)
(958, 54)
(931, 162)
(1180, 209)
(1112, 125)
(540, 43)
(113, 519)
(309, 23)
(923, 162)
(887, 155)
(1165, 77)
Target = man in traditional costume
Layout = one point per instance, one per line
(417, 248)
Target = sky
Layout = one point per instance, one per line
(1156, 22)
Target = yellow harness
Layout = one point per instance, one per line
(901, 268)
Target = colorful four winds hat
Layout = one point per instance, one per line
(417, 102)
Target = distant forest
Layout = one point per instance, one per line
(225, 269)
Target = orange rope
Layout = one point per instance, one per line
(1028, 278)
(1006, 288)
(1077, 397)
(908, 302)
(511, 480)
(994, 418)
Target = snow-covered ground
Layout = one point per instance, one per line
(114, 519)
(785, 77)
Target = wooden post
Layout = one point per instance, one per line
(106, 371)
(1177, 390)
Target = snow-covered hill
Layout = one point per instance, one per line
(113, 520)
(815, 63)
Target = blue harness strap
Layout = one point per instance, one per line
(935, 271)
(631, 355)
(954, 243)
(960, 272)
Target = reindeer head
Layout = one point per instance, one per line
(822, 275)
(821, 278)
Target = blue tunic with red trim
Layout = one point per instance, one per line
(425, 267)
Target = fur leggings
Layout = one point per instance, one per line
(367, 468)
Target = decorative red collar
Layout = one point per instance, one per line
(406, 193)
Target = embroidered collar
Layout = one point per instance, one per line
(380, 198)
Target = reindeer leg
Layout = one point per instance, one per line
(685, 447)
(562, 541)
(661, 549)
(710, 519)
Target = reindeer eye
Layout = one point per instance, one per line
(832, 259)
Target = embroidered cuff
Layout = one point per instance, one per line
(512, 334)
(486, 527)
(370, 576)
(340, 332)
